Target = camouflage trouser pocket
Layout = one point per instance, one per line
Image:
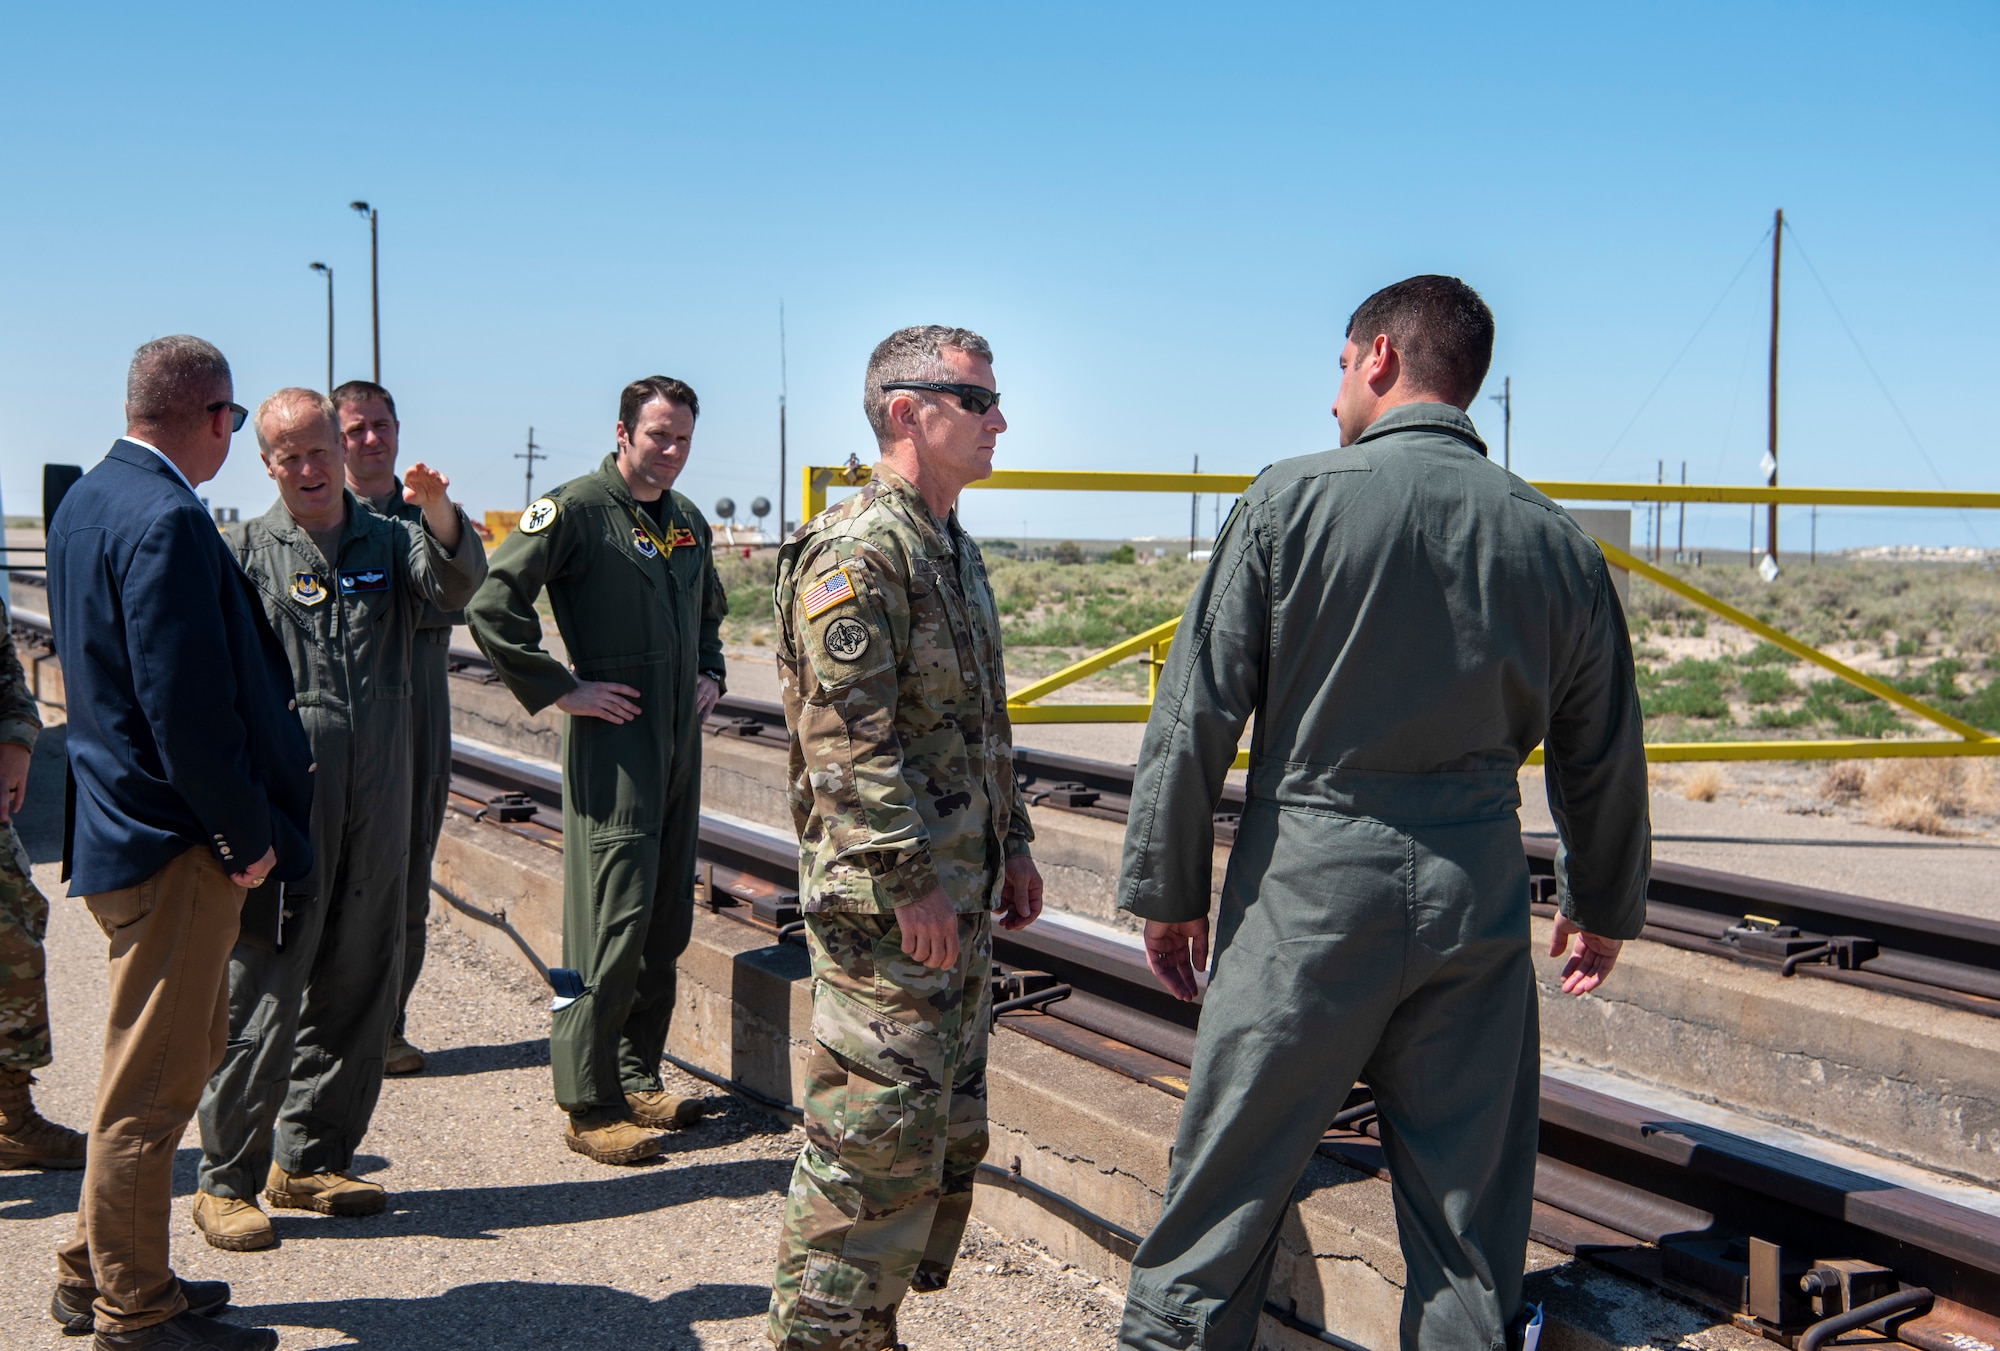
(876, 1094)
(829, 1279)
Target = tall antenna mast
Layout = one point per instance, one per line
(1771, 446)
(531, 454)
(783, 389)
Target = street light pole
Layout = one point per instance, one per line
(322, 267)
(374, 282)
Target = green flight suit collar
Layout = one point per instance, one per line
(936, 534)
(289, 531)
(1424, 417)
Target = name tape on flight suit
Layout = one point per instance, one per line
(537, 517)
(364, 579)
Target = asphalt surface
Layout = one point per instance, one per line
(496, 1235)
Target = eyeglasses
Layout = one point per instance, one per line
(237, 413)
(972, 398)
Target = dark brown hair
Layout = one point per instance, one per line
(361, 391)
(1440, 328)
(643, 391)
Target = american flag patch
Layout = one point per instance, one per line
(829, 591)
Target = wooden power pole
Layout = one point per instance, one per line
(531, 454)
(1771, 444)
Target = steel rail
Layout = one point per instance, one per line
(1608, 1166)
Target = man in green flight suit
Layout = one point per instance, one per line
(1406, 621)
(627, 565)
(27, 1138)
(313, 978)
(912, 833)
(370, 432)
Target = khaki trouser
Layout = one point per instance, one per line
(169, 1017)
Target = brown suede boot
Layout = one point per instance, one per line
(27, 1138)
(660, 1108)
(604, 1134)
(327, 1193)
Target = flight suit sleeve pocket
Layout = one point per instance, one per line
(882, 1083)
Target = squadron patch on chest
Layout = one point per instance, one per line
(834, 588)
(307, 588)
(845, 639)
(683, 537)
(364, 579)
(538, 516)
(644, 544)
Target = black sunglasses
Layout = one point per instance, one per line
(237, 413)
(972, 398)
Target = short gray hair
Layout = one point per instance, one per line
(289, 402)
(172, 381)
(915, 353)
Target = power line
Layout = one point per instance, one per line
(1748, 258)
(1876, 376)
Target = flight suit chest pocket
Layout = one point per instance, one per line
(940, 636)
(378, 632)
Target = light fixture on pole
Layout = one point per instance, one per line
(374, 282)
(322, 267)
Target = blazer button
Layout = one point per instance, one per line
(291, 705)
(313, 768)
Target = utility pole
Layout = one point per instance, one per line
(1681, 537)
(374, 283)
(1659, 511)
(1505, 398)
(784, 528)
(531, 454)
(1771, 448)
(1194, 512)
(322, 267)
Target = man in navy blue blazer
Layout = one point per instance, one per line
(192, 783)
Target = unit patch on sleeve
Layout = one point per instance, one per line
(833, 588)
(644, 543)
(846, 639)
(537, 517)
(364, 579)
(307, 588)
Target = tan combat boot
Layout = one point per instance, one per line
(327, 1193)
(660, 1108)
(604, 1134)
(27, 1138)
(232, 1225)
(403, 1058)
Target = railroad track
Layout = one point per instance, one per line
(1777, 1242)
(1793, 1249)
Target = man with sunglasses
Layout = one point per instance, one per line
(912, 837)
(192, 784)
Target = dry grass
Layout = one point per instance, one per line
(1703, 784)
(1845, 781)
(1915, 812)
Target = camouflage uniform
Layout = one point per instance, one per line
(24, 911)
(902, 782)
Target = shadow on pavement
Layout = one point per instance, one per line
(453, 1061)
(38, 1194)
(517, 1315)
(486, 1212)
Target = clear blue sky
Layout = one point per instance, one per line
(1160, 215)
